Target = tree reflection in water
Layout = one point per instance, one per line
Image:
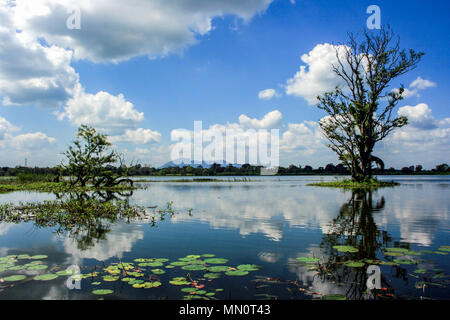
(355, 226)
(86, 217)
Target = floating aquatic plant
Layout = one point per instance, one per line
(354, 264)
(46, 277)
(15, 278)
(346, 249)
(216, 260)
(334, 297)
(102, 291)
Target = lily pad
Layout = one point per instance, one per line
(393, 253)
(307, 260)
(216, 260)
(18, 277)
(46, 277)
(413, 253)
(404, 261)
(189, 290)
(218, 268)
(249, 267)
(420, 271)
(212, 275)
(154, 284)
(16, 268)
(236, 273)
(334, 297)
(354, 264)
(109, 278)
(39, 257)
(179, 281)
(127, 279)
(208, 255)
(194, 267)
(179, 263)
(37, 267)
(102, 291)
(65, 272)
(158, 271)
(193, 256)
(346, 249)
(392, 249)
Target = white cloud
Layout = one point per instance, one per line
(267, 94)
(138, 136)
(417, 85)
(270, 120)
(421, 84)
(114, 30)
(425, 140)
(31, 73)
(419, 116)
(101, 110)
(305, 137)
(316, 76)
(246, 136)
(6, 128)
(22, 145)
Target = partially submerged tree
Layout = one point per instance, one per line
(360, 111)
(90, 160)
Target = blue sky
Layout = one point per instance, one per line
(203, 61)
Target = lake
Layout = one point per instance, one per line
(269, 238)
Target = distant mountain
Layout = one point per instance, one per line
(180, 163)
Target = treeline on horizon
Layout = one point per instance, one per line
(244, 170)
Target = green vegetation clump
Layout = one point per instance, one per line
(352, 184)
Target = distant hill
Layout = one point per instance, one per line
(180, 163)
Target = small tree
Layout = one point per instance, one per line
(89, 160)
(360, 112)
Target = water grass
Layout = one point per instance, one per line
(56, 187)
(351, 184)
(201, 180)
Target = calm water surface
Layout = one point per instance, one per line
(269, 222)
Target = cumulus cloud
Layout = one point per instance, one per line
(244, 138)
(305, 137)
(102, 110)
(138, 136)
(417, 85)
(422, 84)
(425, 139)
(316, 76)
(6, 128)
(419, 116)
(156, 28)
(31, 73)
(18, 146)
(270, 120)
(267, 94)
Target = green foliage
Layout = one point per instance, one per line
(352, 184)
(89, 160)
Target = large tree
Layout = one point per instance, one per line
(91, 161)
(360, 110)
